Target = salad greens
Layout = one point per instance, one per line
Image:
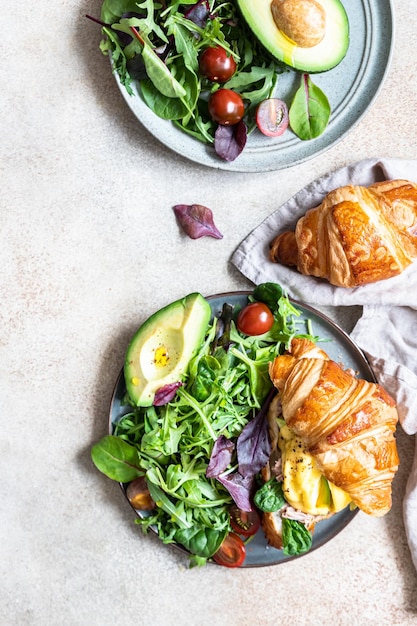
(200, 452)
(164, 51)
(157, 46)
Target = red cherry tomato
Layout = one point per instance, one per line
(255, 319)
(226, 107)
(232, 552)
(216, 65)
(272, 117)
(244, 523)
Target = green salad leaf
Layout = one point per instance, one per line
(225, 386)
(310, 110)
(296, 538)
(269, 497)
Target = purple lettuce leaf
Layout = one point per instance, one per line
(240, 488)
(199, 13)
(253, 444)
(166, 393)
(221, 456)
(197, 221)
(229, 141)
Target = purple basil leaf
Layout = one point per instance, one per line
(240, 488)
(253, 443)
(165, 394)
(196, 221)
(229, 141)
(199, 13)
(221, 456)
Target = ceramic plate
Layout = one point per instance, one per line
(340, 348)
(351, 88)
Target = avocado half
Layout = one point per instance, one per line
(319, 58)
(163, 346)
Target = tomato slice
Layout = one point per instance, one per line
(245, 523)
(272, 117)
(255, 319)
(232, 552)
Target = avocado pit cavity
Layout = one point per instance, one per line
(302, 21)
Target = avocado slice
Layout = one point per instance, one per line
(163, 346)
(318, 58)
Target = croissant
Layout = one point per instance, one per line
(356, 236)
(347, 424)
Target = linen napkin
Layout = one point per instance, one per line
(387, 330)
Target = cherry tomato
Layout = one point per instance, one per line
(232, 552)
(272, 117)
(245, 523)
(226, 107)
(216, 65)
(137, 493)
(255, 319)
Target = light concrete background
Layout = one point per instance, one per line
(89, 248)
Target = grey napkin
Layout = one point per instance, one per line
(387, 330)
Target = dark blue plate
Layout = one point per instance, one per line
(341, 349)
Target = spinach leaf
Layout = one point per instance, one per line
(163, 106)
(269, 293)
(203, 542)
(295, 537)
(309, 112)
(270, 497)
(117, 459)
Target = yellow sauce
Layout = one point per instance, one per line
(305, 488)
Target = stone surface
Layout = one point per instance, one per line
(89, 248)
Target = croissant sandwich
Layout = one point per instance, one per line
(332, 437)
(357, 235)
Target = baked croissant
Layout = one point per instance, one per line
(347, 424)
(356, 236)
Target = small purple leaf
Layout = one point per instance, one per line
(199, 13)
(166, 393)
(221, 456)
(197, 221)
(253, 444)
(229, 141)
(240, 488)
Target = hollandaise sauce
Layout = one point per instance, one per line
(304, 486)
